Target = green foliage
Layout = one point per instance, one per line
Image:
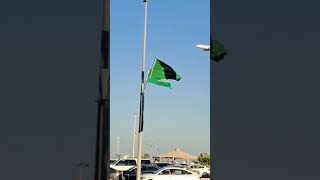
(146, 156)
(204, 159)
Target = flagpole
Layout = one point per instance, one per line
(142, 92)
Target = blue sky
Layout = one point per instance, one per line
(177, 117)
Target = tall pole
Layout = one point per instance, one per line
(212, 123)
(102, 159)
(118, 147)
(142, 92)
(134, 135)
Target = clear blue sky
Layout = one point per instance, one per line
(177, 117)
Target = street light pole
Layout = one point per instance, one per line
(118, 147)
(142, 92)
(134, 135)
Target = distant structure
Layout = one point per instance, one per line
(177, 155)
(133, 145)
(118, 147)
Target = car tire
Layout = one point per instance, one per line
(204, 175)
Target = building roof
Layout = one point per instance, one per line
(178, 154)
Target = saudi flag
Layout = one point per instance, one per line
(218, 51)
(160, 73)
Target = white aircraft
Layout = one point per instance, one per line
(203, 47)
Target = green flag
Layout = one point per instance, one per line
(160, 73)
(217, 52)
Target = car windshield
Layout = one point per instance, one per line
(158, 171)
(151, 168)
(145, 162)
(121, 163)
(162, 169)
(162, 164)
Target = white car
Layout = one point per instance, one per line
(171, 173)
(203, 171)
(126, 164)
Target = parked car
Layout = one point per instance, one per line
(126, 164)
(145, 168)
(171, 173)
(203, 170)
(185, 167)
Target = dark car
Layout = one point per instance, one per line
(162, 164)
(132, 173)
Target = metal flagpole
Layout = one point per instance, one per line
(134, 135)
(142, 93)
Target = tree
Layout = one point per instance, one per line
(146, 156)
(204, 159)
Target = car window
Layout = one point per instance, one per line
(176, 171)
(131, 162)
(151, 168)
(165, 172)
(145, 162)
(134, 171)
(121, 163)
(186, 173)
(163, 165)
(112, 161)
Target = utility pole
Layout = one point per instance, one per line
(118, 147)
(134, 135)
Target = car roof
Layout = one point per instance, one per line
(176, 165)
(197, 165)
(173, 167)
(166, 168)
(144, 165)
(133, 159)
(162, 163)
